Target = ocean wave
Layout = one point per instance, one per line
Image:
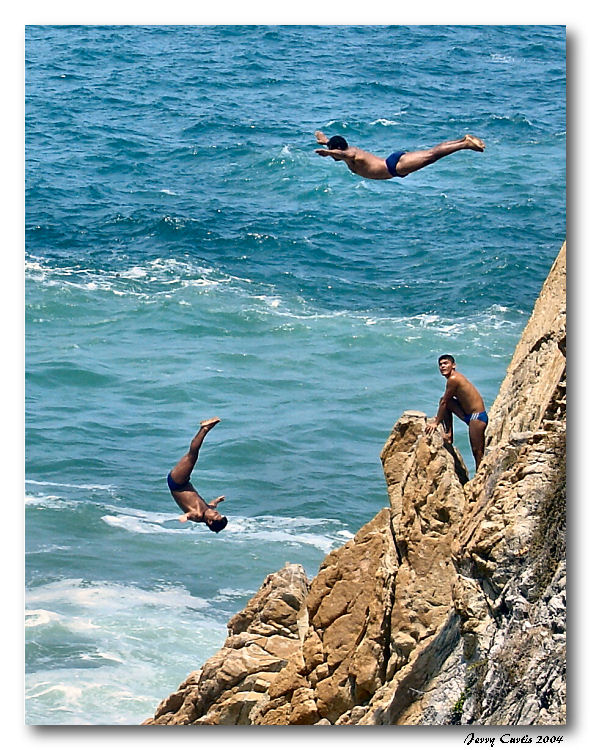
(229, 594)
(136, 524)
(89, 645)
(172, 279)
(323, 534)
(293, 532)
(387, 123)
(66, 598)
(36, 617)
(496, 57)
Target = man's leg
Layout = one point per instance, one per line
(448, 420)
(476, 430)
(413, 160)
(182, 471)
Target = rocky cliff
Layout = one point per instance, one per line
(449, 607)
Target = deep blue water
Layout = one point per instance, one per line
(188, 254)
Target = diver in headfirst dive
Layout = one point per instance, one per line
(398, 164)
(186, 496)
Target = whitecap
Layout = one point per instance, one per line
(108, 598)
(135, 272)
(293, 532)
(36, 617)
(138, 525)
(49, 483)
(497, 58)
(45, 549)
(383, 121)
(69, 692)
(110, 657)
(42, 499)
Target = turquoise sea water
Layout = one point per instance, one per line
(188, 254)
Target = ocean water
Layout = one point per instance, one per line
(188, 254)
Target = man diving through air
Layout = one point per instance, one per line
(398, 164)
(186, 496)
(462, 399)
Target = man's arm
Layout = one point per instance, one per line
(336, 153)
(214, 503)
(450, 391)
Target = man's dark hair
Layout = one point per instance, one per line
(447, 356)
(218, 524)
(337, 141)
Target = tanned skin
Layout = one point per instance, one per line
(460, 398)
(374, 167)
(187, 498)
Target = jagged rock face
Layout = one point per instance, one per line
(538, 364)
(261, 640)
(342, 658)
(449, 606)
(427, 502)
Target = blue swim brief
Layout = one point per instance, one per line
(174, 486)
(392, 161)
(482, 416)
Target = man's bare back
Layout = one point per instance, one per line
(398, 164)
(469, 398)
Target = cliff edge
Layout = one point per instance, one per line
(449, 607)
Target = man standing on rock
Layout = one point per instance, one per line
(398, 164)
(185, 495)
(462, 399)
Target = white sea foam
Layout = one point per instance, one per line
(46, 549)
(498, 58)
(77, 600)
(49, 483)
(36, 617)
(384, 121)
(139, 525)
(229, 594)
(49, 500)
(70, 693)
(110, 657)
(165, 276)
(273, 302)
(265, 529)
(135, 272)
(128, 636)
(293, 532)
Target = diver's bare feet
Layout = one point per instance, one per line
(208, 424)
(474, 143)
(321, 138)
(447, 438)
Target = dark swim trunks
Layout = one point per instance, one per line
(172, 485)
(392, 161)
(482, 416)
